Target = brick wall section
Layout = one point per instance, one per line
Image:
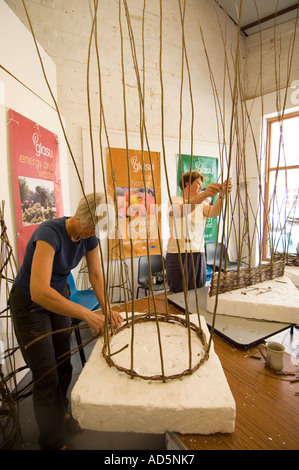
(63, 29)
(276, 54)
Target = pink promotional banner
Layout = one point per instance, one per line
(36, 176)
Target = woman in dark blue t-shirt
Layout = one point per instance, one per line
(40, 305)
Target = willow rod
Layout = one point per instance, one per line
(142, 129)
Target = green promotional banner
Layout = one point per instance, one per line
(208, 167)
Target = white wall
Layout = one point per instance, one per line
(63, 28)
(279, 77)
(18, 56)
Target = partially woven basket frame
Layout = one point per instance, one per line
(226, 281)
(161, 318)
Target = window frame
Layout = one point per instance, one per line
(268, 171)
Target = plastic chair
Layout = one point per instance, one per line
(209, 274)
(86, 298)
(210, 249)
(143, 273)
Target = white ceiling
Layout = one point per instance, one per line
(255, 10)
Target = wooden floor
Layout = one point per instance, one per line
(267, 416)
(267, 405)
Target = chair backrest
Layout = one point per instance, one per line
(71, 282)
(210, 249)
(210, 253)
(143, 271)
(85, 297)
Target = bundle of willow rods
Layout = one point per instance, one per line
(9, 422)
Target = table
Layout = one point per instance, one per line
(267, 407)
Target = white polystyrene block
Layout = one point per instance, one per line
(105, 399)
(274, 300)
(293, 273)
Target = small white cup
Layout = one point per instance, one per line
(274, 355)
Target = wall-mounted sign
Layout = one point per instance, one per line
(36, 176)
(208, 167)
(134, 178)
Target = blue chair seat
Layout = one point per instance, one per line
(87, 299)
(209, 273)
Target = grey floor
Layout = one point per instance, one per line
(92, 440)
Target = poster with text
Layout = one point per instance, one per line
(36, 176)
(134, 181)
(208, 167)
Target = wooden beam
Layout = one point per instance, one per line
(270, 17)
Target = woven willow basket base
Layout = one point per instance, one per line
(232, 280)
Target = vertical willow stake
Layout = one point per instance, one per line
(10, 430)
(142, 130)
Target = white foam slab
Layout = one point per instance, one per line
(104, 399)
(274, 300)
(293, 273)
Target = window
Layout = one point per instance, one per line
(281, 221)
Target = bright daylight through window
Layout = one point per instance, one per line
(281, 230)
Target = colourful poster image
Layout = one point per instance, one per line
(134, 178)
(35, 175)
(208, 167)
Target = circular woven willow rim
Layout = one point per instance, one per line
(152, 317)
